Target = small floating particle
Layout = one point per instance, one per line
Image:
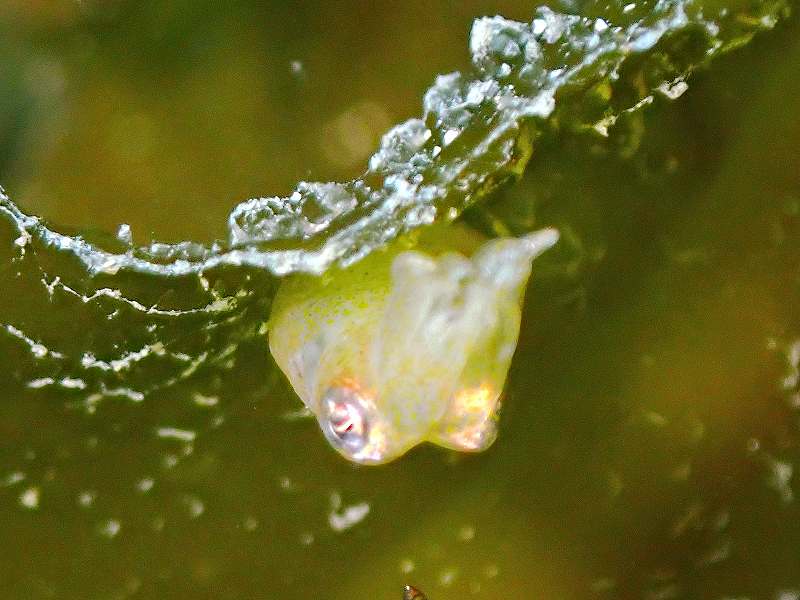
(30, 498)
(205, 401)
(35, 384)
(447, 577)
(12, 478)
(655, 419)
(109, 528)
(145, 485)
(407, 566)
(306, 538)
(86, 498)
(73, 383)
(466, 533)
(173, 433)
(349, 516)
(194, 506)
(250, 523)
(352, 515)
(780, 477)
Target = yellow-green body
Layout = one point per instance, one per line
(407, 345)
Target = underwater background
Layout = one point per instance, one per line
(648, 444)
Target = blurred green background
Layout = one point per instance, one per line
(165, 114)
(649, 442)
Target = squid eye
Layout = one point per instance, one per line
(346, 419)
(353, 425)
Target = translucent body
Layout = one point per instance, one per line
(407, 346)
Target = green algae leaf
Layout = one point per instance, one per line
(478, 129)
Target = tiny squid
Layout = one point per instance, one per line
(410, 344)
